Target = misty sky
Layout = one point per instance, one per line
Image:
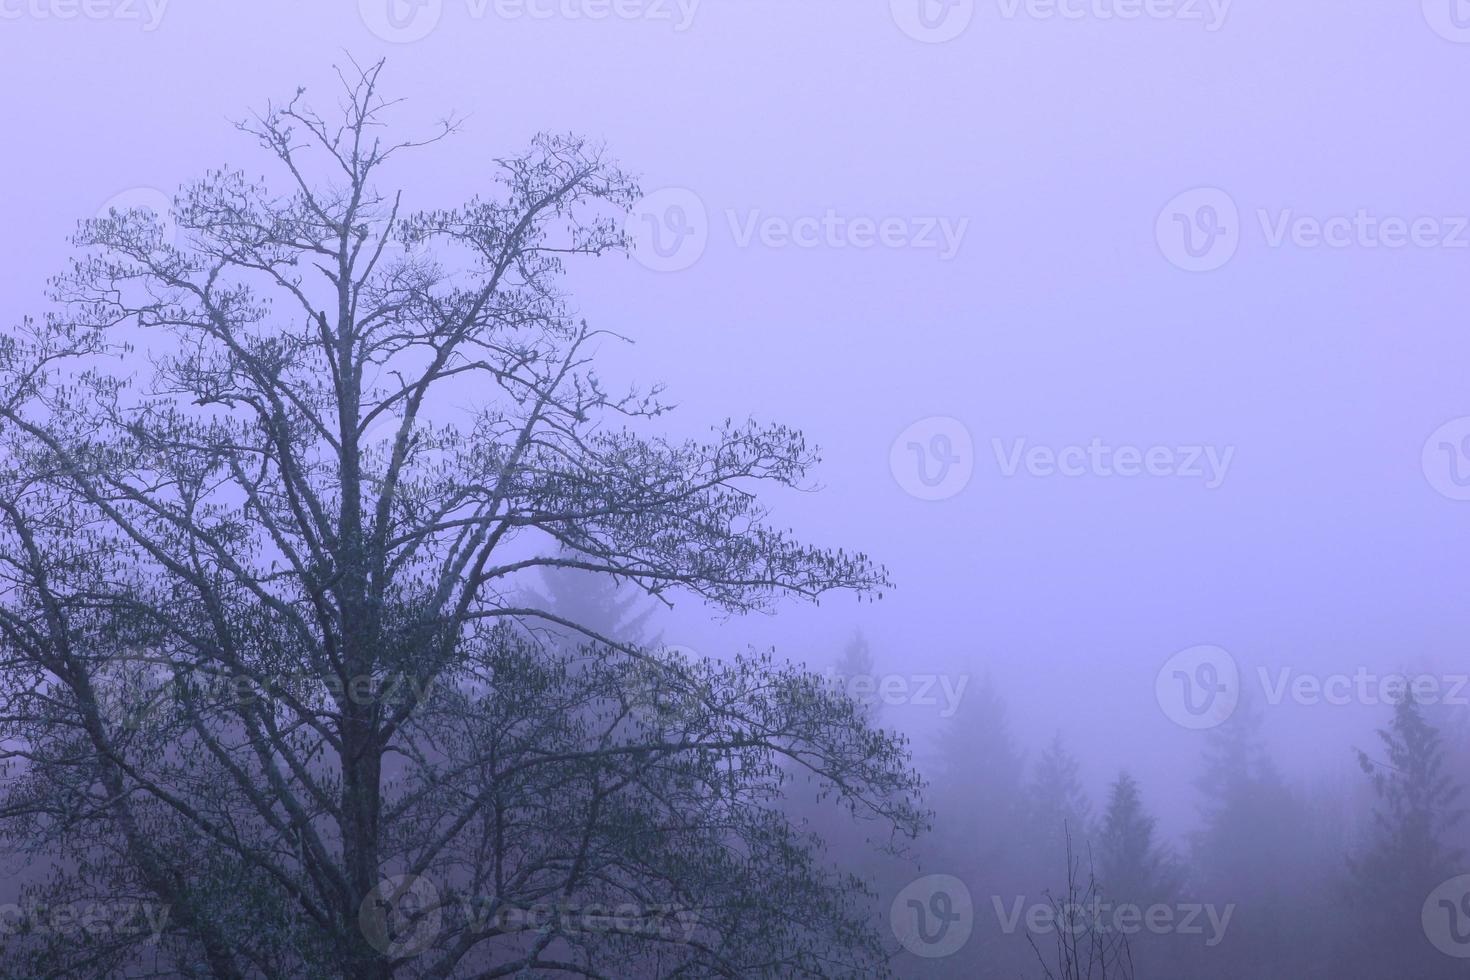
(1047, 149)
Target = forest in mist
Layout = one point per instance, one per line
(1037, 868)
(734, 489)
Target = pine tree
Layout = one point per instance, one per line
(1132, 867)
(1251, 852)
(1417, 801)
(979, 825)
(855, 673)
(1407, 854)
(596, 602)
(1247, 810)
(979, 776)
(1057, 810)
(869, 857)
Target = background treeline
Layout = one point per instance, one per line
(1323, 877)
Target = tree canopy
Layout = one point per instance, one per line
(265, 657)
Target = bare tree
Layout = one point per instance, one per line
(259, 664)
(1083, 947)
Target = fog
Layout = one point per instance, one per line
(1132, 338)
